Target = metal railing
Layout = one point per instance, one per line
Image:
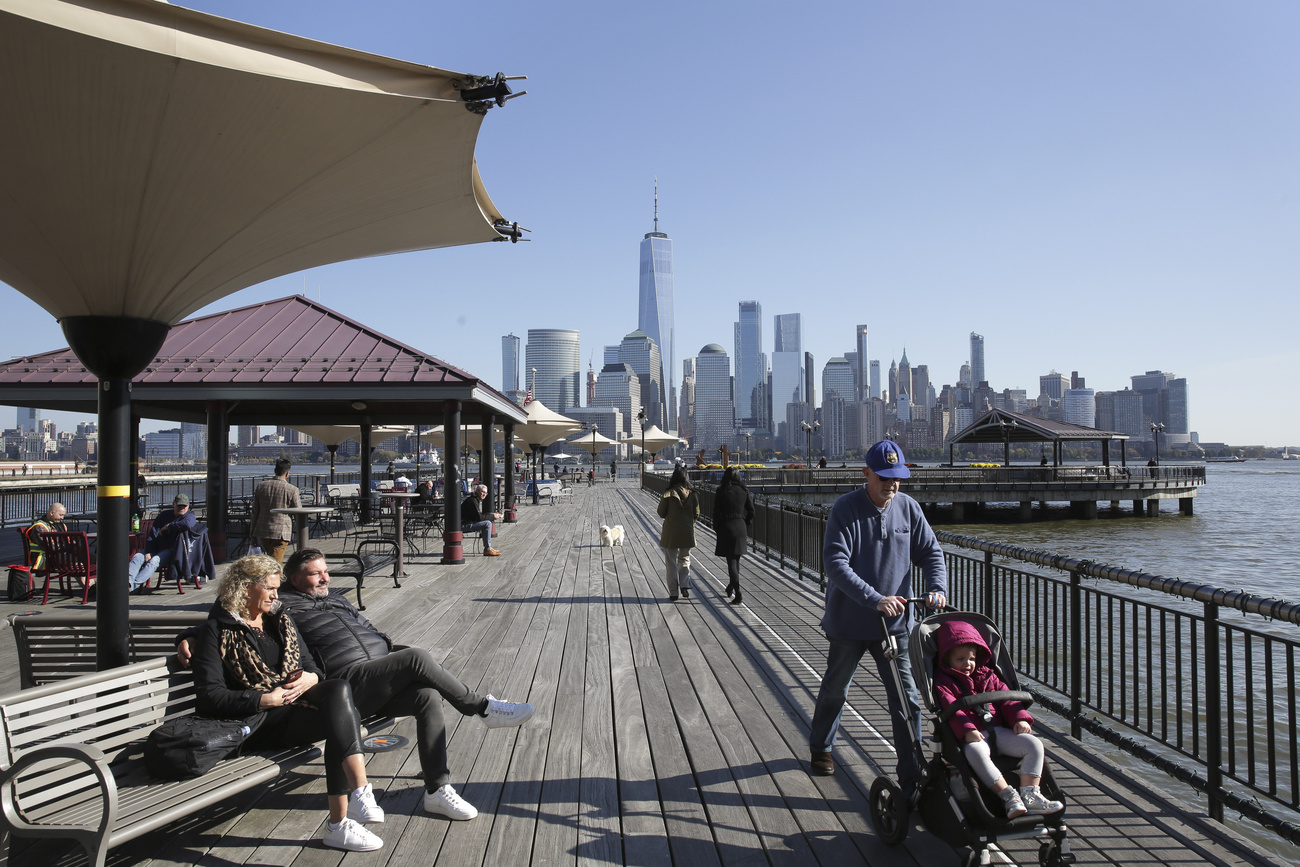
(846, 478)
(1146, 663)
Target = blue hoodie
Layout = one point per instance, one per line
(868, 554)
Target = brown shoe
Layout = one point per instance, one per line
(822, 766)
(491, 552)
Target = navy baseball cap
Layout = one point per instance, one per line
(885, 459)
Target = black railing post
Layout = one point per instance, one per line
(1075, 644)
(1213, 713)
(780, 519)
(798, 533)
(988, 585)
(821, 558)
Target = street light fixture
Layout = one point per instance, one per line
(591, 480)
(1156, 428)
(641, 417)
(808, 430)
(746, 436)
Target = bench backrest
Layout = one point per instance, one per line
(54, 647)
(66, 554)
(110, 710)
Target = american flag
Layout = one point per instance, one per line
(528, 398)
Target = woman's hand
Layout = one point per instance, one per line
(289, 693)
(1022, 727)
(973, 736)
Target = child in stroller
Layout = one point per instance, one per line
(952, 803)
(964, 670)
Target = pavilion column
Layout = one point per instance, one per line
(333, 450)
(1105, 453)
(365, 472)
(218, 477)
(487, 462)
(137, 506)
(511, 516)
(114, 349)
(453, 548)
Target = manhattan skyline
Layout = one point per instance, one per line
(1047, 177)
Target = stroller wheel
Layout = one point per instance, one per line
(889, 812)
(1050, 855)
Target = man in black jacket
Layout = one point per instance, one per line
(385, 679)
(474, 520)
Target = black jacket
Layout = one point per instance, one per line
(214, 697)
(471, 510)
(733, 512)
(337, 634)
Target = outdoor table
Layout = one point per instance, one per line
(397, 497)
(300, 515)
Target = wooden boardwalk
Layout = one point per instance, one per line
(665, 733)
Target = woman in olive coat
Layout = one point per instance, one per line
(733, 513)
(679, 507)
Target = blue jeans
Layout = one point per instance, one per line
(841, 662)
(138, 572)
(483, 528)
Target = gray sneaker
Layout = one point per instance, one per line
(1036, 803)
(506, 713)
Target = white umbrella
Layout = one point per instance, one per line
(332, 435)
(656, 440)
(561, 456)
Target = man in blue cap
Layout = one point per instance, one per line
(873, 537)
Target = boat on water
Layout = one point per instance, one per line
(1229, 459)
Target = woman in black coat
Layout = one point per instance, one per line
(733, 512)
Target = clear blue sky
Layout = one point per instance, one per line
(1109, 187)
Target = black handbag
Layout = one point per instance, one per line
(192, 746)
(20, 584)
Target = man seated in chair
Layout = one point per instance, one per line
(160, 544)
(474, 520)
(50, 522)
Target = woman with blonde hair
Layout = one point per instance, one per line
(250, 664)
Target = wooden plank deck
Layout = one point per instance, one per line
(665, 733)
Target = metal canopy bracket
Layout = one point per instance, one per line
(481, 91)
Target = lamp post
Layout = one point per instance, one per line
(808, 431)
(745, 458)
(641, 417)
(591, 480)
(1156, 428)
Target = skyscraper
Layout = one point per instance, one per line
(921, 386)
(655, 306)
(1079, 406)
(619, 386)
(905, 376)
(714, 412)
(639, 352)
(875, 379)
(787, 367)
(29, 419)
(686, 411)
(509, 363)
(751, 367)
(1053, 384)
(861, 372)
(977, 359)
(555, 354)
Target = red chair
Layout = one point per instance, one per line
(67, 558)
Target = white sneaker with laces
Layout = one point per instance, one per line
(445, 802)
(1015, 807)
(362, 806)
(352, 836)
(506, 713)
(1037, 803)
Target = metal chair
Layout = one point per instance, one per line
(67, 558)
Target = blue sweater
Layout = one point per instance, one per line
(868, 554)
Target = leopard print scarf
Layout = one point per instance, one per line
(245, 666)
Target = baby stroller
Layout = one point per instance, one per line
(952, 802)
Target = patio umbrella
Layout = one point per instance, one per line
(544, 426)
(656, 440)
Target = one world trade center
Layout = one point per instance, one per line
(655, 317)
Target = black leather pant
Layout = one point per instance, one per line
(324, 711)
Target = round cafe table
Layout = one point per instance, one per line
(300, 516)
(397, 497)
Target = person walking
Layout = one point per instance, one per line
(679, 507)
(733, 514)
(271, 530)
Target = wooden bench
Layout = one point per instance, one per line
(71, 764)
(54, 646)
(372, 556)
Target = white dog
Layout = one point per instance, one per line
(611, 536)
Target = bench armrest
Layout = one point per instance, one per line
(91, 837)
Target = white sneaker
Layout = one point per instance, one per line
(351, 836)
(362, 806)
(1015, 807)
(445, 802)
(506, 713)
(1036, 803)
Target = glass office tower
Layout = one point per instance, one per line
(751, 367)
(555, 353)
(655, 306)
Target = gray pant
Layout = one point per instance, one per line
(677, 564)
(408, 682)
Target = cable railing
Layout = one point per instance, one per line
(1146, 663)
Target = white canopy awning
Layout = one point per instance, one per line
(155, 159)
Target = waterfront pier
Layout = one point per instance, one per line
(664, 734)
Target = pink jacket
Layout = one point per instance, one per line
(951, 685)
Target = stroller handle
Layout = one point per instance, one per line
(924, 602)
(969, 701)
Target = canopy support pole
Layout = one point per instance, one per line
(218, 478)
(453, 548)
(511, 515)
